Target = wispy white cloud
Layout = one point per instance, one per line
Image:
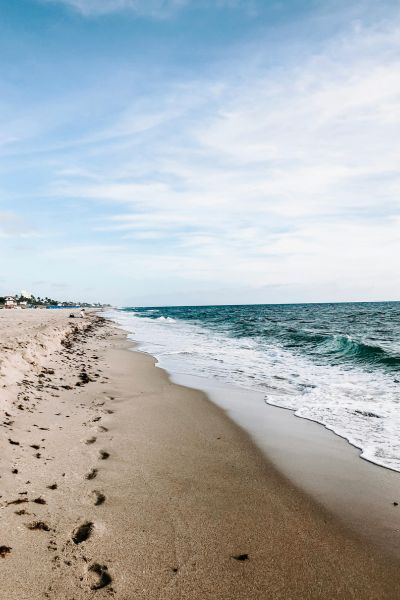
(14, 226)
(154, 8)
(277, 177)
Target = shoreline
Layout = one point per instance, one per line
(344, 394)
(181, 504)
(361, 494)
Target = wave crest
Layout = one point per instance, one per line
(346, 347)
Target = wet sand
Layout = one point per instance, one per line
(115, 482)
(364, 496)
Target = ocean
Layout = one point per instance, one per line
(337, 364)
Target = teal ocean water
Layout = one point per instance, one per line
(338, 364)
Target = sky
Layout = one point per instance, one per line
(163, 152)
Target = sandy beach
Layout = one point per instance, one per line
(116, 482)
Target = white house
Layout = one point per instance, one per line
(10, 302)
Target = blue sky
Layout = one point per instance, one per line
(199, 151)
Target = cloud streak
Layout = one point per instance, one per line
(14, 226)
(152, 8)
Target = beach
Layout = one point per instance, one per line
(117, 482)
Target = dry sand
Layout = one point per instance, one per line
(129, 486)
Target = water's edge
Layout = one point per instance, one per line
(360, 406)
(316, 460)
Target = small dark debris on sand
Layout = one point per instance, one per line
(4, 550)
(82, 533)
(39, 500)
(395, 503)
(101, 574)
(241, 557)
(35, 446)
(17, 501)
(83, 378)
(53, 486)
(91, 440)
(38, 525)
(13, 442)
(104, 454)
(48, 371)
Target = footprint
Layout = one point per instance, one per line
(99, 497)
(82, 533)
(92, 474)
(99, 576)
(241, 557)
(4, 550)
(104, 454)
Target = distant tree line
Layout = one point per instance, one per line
(33, 301)
(46, 301)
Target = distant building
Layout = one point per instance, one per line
(10, 302)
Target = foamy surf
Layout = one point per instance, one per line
(349, 386)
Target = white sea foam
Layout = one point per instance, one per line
(360, 406)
